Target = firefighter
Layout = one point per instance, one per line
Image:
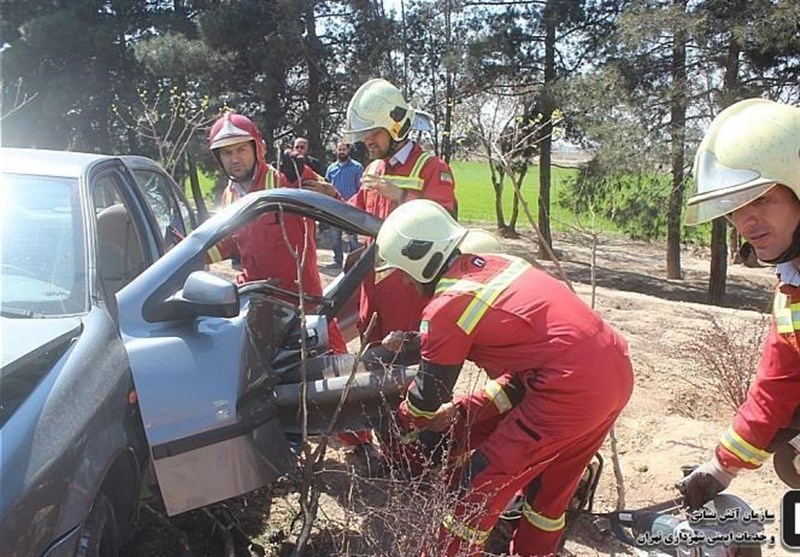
(747, 169)
(237, 145)
(463, 423)
(509, 318)
(400, 170)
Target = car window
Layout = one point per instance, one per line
(43, 255)
(121, 253)
(172, 217)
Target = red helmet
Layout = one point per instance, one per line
(231, 129)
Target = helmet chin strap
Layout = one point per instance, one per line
(430, 287)
(793, 252)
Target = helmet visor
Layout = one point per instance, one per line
(702, 208)
(228, 141)
(357, 128)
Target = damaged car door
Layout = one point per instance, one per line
(223, 372)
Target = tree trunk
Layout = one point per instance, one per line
(447, 145)
(677, 134)
(313, 55)
(545, 146)
(719, 244)
(719, 262)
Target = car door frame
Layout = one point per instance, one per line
(190, 407)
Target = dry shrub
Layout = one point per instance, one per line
(726, 354)
(394, 515)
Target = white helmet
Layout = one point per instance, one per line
(480, 241)
(750, 147)
(377, 104)
(418, 237)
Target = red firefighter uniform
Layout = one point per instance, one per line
(510, 318)
(477, 416)
(420, 175)
(774, 396)
(261, 245)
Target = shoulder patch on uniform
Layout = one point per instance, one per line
(423, 327)
(445, 176)
(479, 262)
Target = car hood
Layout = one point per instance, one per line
(25, 340)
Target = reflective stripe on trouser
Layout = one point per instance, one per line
(553, 433)
(541, 529)
(464, 531)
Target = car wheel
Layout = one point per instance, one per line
(99, 534)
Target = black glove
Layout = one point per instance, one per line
(292, 164)
(704, 483)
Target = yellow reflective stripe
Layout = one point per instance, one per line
(404, 182)
(483, 298)
(742, 449)
(787, 314)
(472, 536)
(498, 396)
(271, 182)
(457, 285)
(783, 322)
(413, 180)
(227, 196)
(417, 412)
(421, 160)
(214, 254)
(542, 522)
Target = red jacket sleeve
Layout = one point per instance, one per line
(771, 403)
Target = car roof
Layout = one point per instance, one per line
(41, 162)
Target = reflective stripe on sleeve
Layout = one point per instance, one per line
(542, 522)
(497, 395)
(461, 530)
(417, 412)
(743, 450)
(404, 182)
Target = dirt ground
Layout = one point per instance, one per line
(669, 421)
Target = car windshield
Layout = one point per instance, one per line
(43, 254)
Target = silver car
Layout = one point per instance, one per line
(122, 354)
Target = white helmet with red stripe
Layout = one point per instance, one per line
(231, 129)
(418, 237)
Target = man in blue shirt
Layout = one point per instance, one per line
(345, 175)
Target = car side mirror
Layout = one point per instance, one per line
(202, 294)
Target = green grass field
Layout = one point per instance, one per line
(476, 195)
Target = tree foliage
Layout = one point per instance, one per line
(634, 81)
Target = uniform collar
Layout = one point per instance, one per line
(789, 273)
(401, 156)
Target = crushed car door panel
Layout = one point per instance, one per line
(218, 394)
